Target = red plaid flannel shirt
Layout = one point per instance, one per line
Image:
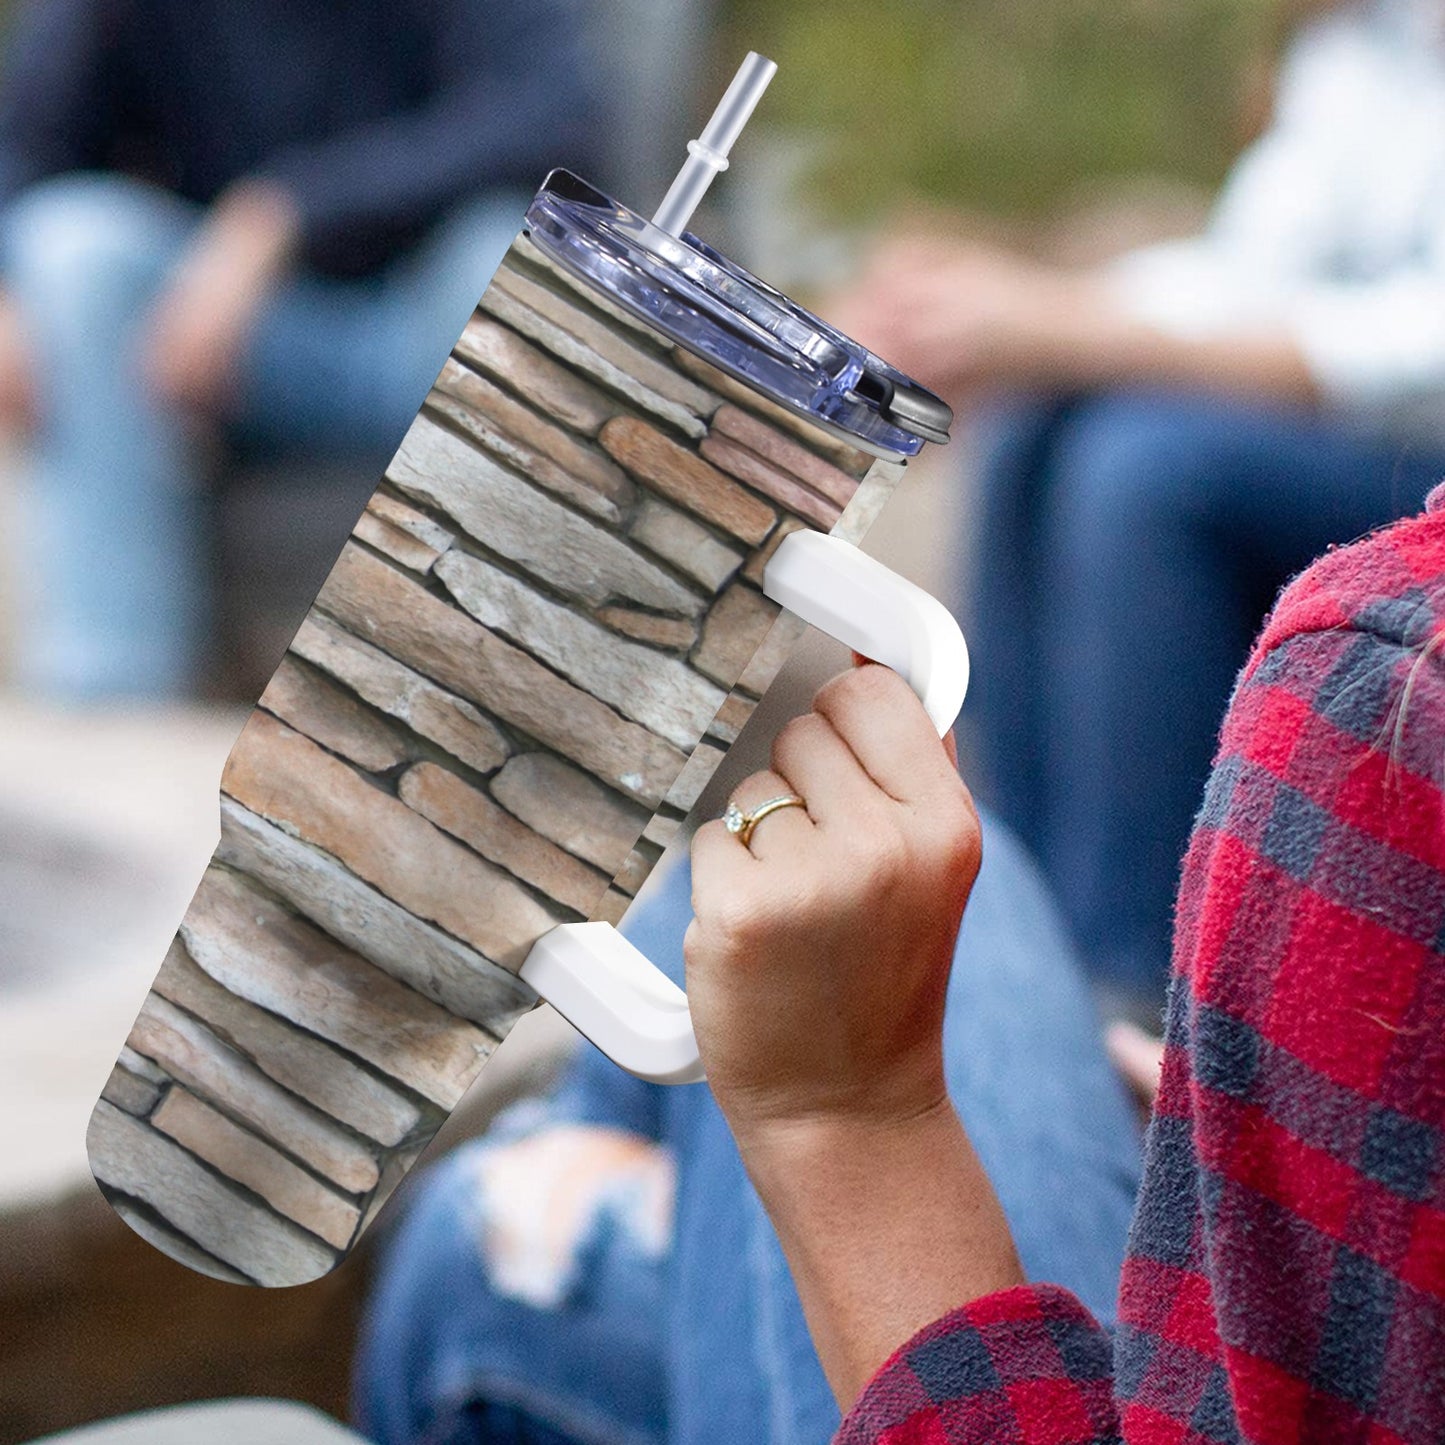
(1285, 1282)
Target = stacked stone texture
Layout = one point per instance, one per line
(545, 630)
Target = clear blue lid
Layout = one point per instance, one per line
(698, 298)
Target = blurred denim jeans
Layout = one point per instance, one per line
(115, 523)
(627, 1335)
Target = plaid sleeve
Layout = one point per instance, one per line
(1306, 1103)
(1027, 1366)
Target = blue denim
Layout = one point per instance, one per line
(116, 517)
(1129, 545)
(705, 1343)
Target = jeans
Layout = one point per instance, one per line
(115, 524)
(1129, 545)
(698, 1338)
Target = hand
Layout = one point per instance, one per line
(200, 323)
(19, 403)
(962, 316)
(819, 957)
(817, 966)
(1139, 1058)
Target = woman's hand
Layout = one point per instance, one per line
(817, 966)
(819, 956)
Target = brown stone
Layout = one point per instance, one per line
(612, 907)
(129, 1092)
(758, 562)
(285, 777)
(839, 452)
(549, 455)
(297, 1061)
(763, 477)
(783, 452)
(435, 964)
(662, 693)
(299, 695)
(732, 632)
(252, 1162)
(444, 799)
(688, 545)
(135, 1160)
(449, 721)
(534, 375)
(570, 808)
(509, 516)
(440, 640)
(732, 717)
(282, 964)
(214, 1070)
(671, 633)
(661, 829)
(612, 360)
(683, 477)
(403, 533)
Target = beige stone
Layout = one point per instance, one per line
(732, 633)
(690, 547)
(282, 964)
(786, 490)
(534, 375)
(200, 1060)
(252, 1162)
(390, 610)
(525, 250)
(640, 862)
(767, 662)
(614, 362)
(612, 907)
(695, 776)
(509, 516)
(312, 705)
(174, 1245)
(134, 1159)
(403, 533)
(661, 830)
(464, 812)
(413, 952)
(663, 694)
(536, 445)
(285, 777)
(449, 721)
(685, 478)
(573, 810)
(295, 1060)
(673, 634)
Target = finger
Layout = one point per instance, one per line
(882, 721)
(723, 872)
(825, 771)
(1138, 1056)
(783, 830)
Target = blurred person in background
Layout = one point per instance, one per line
(1165, 441)
(260, 222)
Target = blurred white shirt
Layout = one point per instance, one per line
(1332, 224)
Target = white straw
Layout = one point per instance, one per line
(708, 155)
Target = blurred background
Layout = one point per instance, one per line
(1066, 130)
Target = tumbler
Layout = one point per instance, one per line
(553, 616)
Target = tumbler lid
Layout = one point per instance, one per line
(705, 303)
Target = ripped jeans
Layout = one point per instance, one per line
(599, 1271)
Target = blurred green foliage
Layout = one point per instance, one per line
(1009, 105)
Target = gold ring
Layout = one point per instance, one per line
(741, 824)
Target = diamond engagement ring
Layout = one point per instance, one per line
(741, 824)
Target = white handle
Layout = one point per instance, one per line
(609, 990)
